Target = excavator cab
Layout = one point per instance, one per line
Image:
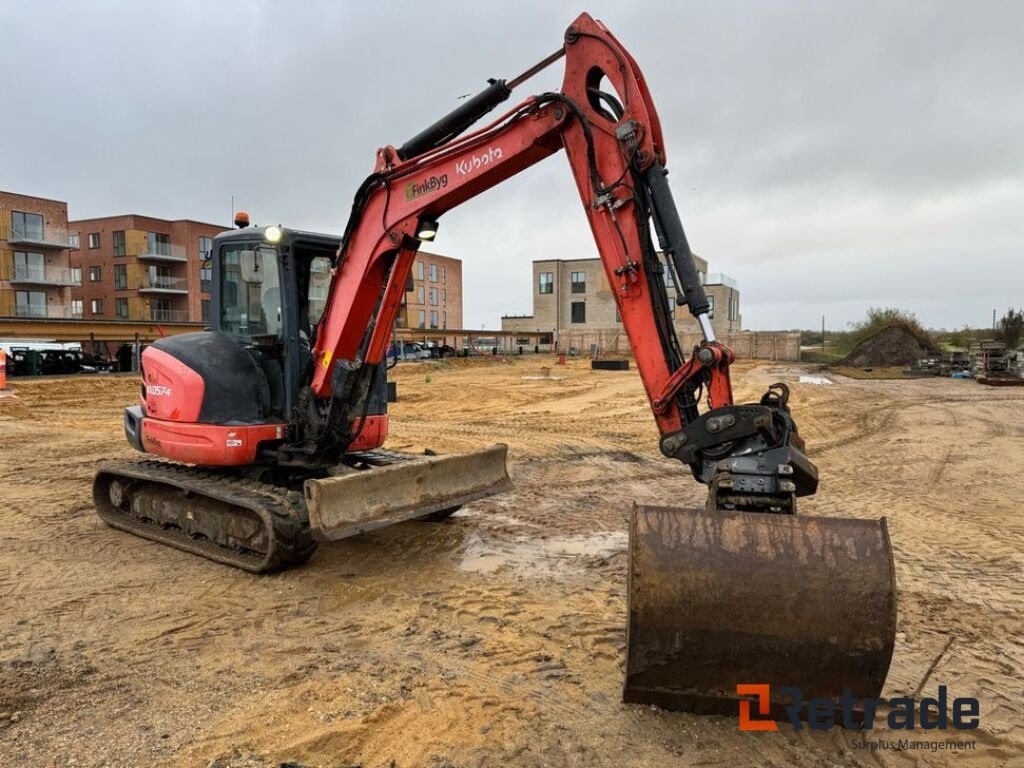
(269, 290)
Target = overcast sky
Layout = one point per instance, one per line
(828, 156)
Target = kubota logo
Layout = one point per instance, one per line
(824, 712)
(157, 390)
(476, 162)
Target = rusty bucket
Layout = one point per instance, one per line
(727, 598)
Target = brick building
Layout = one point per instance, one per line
(435, 300)
(574, 295)
(143, 268)
(36, 268)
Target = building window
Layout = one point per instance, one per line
(670, 277)
(205, 278)
(433, 273)
(120, 249)
(419, 295)
(29, 266)
(433, 318)
(579, 282)
(711, 305)
(97, 306)
(27, 225)
(160, 310)
(442, 274)
(95, 274)
(76, 307)
(30, 303)
(120, 277)
(419, 270)
(73, 240)
(76, 275)
(94, 239)
(433, 297)
(579, 312)
(158, 243)
(121, 307)
(205, 308)
(547, 282)
(422, 319)
(205, 247)
(701, 277)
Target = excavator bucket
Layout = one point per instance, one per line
(720, 599)
(410, 488)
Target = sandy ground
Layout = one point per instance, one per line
(495, 638)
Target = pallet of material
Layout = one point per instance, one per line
(1001, 381)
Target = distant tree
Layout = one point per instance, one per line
(960, 338)
(1011, 326)
(810, 338)
(878, 318)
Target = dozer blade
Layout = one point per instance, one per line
(360, 501)
(726, 598)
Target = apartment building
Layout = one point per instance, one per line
(36, 269)
(435, 296)
(572, 295)
(143, 268)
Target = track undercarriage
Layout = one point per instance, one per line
(260, 526)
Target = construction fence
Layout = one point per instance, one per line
(749, 345)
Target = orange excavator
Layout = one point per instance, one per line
(274, 420)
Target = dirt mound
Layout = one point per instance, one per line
(894, 345)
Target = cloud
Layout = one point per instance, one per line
(828, 155)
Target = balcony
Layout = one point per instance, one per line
(51, 238)
(164, 284)
(47, 312)
(55, 276)
(720, 278)
(168, 315)
(156, 251)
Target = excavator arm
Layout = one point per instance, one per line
(604, 119)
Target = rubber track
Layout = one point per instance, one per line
(282, 510)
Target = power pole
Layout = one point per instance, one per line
(822, 334)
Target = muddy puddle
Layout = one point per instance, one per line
(531, 556)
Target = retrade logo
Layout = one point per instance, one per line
(763, 693)
(823, 712)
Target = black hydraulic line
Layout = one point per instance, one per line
(675, 244)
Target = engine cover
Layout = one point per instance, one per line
(206, 377)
